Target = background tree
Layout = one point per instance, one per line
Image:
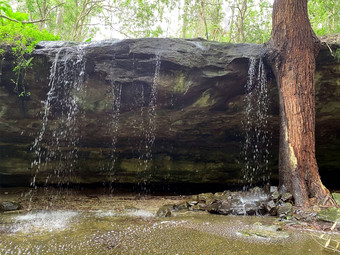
(249, 21)
(202, 18)
(136, 18)
(324, 16)
(293, 48)
(219, 20)
(71, 19)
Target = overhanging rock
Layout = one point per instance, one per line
(133, 124)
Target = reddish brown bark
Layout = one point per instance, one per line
(293, 49)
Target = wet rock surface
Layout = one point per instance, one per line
(329, 215)
(198, 113)
(265, 231)
(285, 210)
(6, 206)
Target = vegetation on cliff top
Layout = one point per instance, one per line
(22, 35)
(234, 21)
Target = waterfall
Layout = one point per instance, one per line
(149, 128)
(116, 96)
(257, 135)
(56, 145)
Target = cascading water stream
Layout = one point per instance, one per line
(257, 135)
(113, 130)
(149, 128)
(56, 146)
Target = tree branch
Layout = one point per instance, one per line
(23, 22)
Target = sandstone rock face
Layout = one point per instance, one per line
(143, 111)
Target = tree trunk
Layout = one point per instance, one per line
(185, 18)
(204, 19)
(293, 49)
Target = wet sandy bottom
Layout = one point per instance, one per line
(85, 222)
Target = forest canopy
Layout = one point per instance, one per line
(236, 21)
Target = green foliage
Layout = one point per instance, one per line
(22, 37)
(324, 16)
(220, 20)
(71, 19)
(137, 18)
(203, 18)
(229, 21)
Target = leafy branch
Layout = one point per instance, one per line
(22, 35)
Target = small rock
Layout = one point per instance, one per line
(194, 197)
(297, 217)
(198, 207)
(250, 209)
(164, 211)
(218, 194)
(209, 201)
(222, 195)
(205, 196)
(192, 202)
(262, 208)
(286, 197)
(9, 206)
(275, 196)
(271, 208)
(223, 207)
(285, 209)
(315, 208)
(226, 194)
(330, 214)
(213, 208)
(180, 207)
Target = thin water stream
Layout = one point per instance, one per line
(56, 145)
(149, 129)
(257, 133)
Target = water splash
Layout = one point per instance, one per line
(50, 221)
(56, 146)
(257, 135)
